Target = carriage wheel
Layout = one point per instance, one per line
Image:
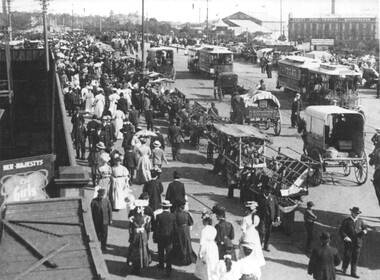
(346, 169)
(361, 169)
(316, 178)
(277, 128)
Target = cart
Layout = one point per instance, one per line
(227, 83)
(335, 138)
(263, 110)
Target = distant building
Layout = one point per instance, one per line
(347, 32)
(242, 22)
(133, 18)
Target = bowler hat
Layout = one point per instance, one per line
(144, 195)
(176, 174)
(261, 81)
(325, 237)
(101, 191)
(356, 210)
(310, 204)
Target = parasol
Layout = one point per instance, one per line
(145, 133)
(104, 47)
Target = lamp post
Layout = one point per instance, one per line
(44, 11)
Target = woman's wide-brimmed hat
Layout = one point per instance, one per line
(101, 146)
(251, 204)
(105, 157)
(166, 203)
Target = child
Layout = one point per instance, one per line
(158, 156)
(309, 219)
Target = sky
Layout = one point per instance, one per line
(195, 10)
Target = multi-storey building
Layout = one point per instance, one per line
(346, 31)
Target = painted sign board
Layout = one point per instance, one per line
(322, 42)
(25, 179)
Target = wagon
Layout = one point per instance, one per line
(227, 83)
(262, 109)
(335, 138)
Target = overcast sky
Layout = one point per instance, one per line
(193, 10)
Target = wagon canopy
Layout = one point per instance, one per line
(241, 131)
(252, 98)
(323, 112)
(334, 70)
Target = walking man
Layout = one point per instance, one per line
(175, 136)
(267, 210)
(176, 190)
(323, 260)
(102, 216)
(352, 231)
(79, 135)
(163, 236)
(296, 108)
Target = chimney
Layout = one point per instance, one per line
(332, 7)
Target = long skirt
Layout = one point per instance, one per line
(144, 166)
(205, 266)
(120, 190)
(182, 253)
(104, 183)
(138, 252)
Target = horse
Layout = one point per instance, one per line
(375, 160)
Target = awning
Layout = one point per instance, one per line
(252, 97)
(250, 26)
(241, 131)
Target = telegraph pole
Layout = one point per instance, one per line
(280, 18)
(142, 39)
(207, 23)
(9, 20)
(72, 17)
(44, 11)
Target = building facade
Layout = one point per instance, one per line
(347, 32)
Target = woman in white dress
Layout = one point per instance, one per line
(208, 255)
(120, 185)
(144, 165)
(89, 97)
(251, 236)
(227, 269)
(114, 97)
(100, 102)
(118, 122)
(103, 174)
(248, 267)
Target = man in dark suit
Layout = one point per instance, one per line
(154, 189)
(267, 210)
(176, 190)
(79, 135)
(122, 104)
(175, 136)
(163, 236)
(323, 260)
(102, 216)
(93, 128)
(352, 232)
(134, 117)
(76, 118)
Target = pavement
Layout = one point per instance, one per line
(286, 259)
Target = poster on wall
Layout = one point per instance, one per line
(25, 179)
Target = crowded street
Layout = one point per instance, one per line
(244, 146)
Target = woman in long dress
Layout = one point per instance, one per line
(89, 97)
(120, 185)
(113, 98)
(104, 173)
(144, 164)
(100, 102)
(182, 253)
(251, 236)
(248, 267)
(227, 269)
(118, 122)
(208, 255)
(138, 251)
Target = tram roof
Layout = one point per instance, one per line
(215, 49)
(154, 49)
(300, 61)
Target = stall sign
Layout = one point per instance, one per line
(25, 179)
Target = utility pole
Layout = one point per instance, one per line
(100, 24)
(280, 18)
(142, 39)
(9, 20)
(207, 23)
(44, 11)
(72, 17)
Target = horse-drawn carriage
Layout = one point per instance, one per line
(262, 109)
(161, 60)
(335, 138)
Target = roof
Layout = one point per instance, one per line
(318, 55)
(60, 225)
(300, 61)
(154, 49)
(322, 112)
(215, 49)
(334, 70)
(227, 74)
(254, 96)
(240, 130)
(250, 26)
